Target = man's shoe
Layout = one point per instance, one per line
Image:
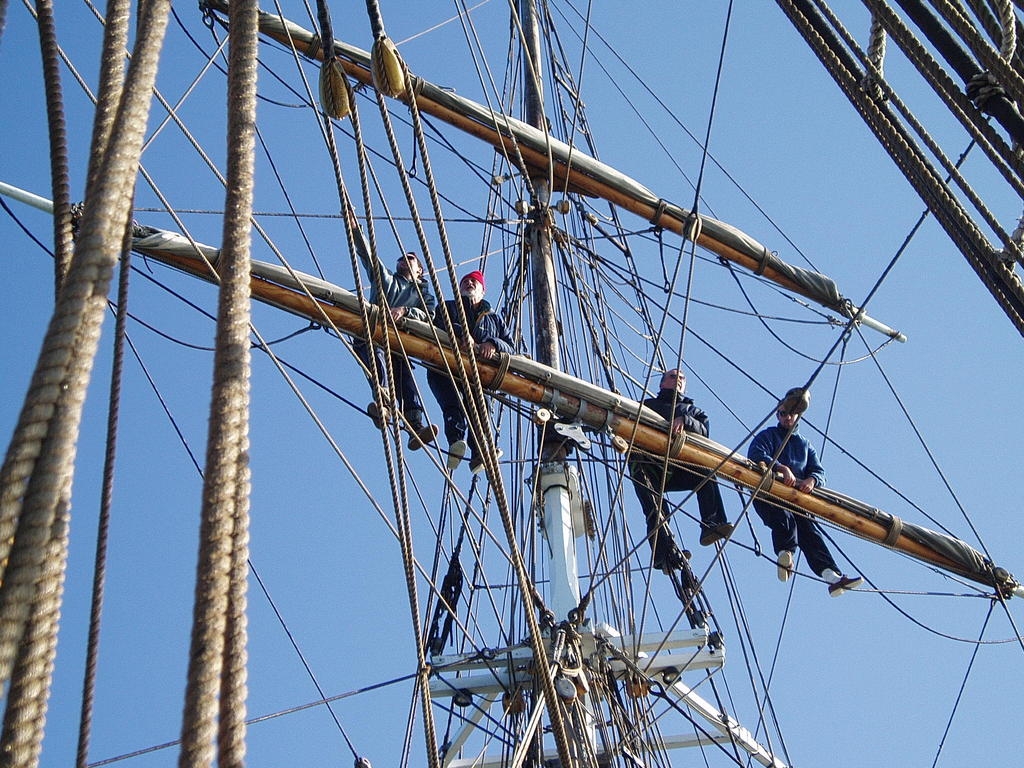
(476, 463)
(844, 583)
(785, 563)
(421, 436)
(709, 536)
(455, 453)
(375, 415)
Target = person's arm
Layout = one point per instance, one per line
(491, 337)
(814, 474)
(696, 421)
(363, 252)
(426, 310)
(499, 337)
(423, 309)
(760, 448)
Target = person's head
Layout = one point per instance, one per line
(674, 379)
(786, 418)
(471, 286)
(792, 406)
(409, 266)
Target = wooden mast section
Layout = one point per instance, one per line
(578, 171)
(636, 427)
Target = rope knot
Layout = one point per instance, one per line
(694, 226)
(1013, 249)
(313, 47)
(982, 87)
(659, 210)
(872, 86)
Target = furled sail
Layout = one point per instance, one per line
(582, 172)
(598, 409)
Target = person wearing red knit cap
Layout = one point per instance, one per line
(488, 336)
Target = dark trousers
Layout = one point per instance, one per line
(790, 530)
(450, 398)
(405, 383)
(646, 478)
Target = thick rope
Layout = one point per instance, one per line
(56, 125)
(41, 456)
(1001, 281)
(100, 566)
(217, 657)
(232, 725)
(876, 58)
(111, 84)
(25, 715)
(1008, 28)
(994, 26)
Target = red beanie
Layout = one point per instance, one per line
(476, 275)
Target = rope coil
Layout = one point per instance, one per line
(695, 225)
(762, 263)
(313, 47)
(895, 529)
(504, 360)
(659, 211)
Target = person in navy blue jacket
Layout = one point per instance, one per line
(489, 336)
(798, 467)
(407, 294)
(650, 475)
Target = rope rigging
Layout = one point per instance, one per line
(216, 690)
(1000, 278)
(600, 339)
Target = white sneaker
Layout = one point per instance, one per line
(455, 453)
(476, 463)
(844, 583)
(785, 563)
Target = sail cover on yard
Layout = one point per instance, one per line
(599, 410)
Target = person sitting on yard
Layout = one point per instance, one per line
(407, 295)
(651, 475)
(798, 467)
(488, 335)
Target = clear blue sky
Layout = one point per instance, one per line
(856, 683)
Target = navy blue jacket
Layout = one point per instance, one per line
(799, 455)
(693, 418)
(484, 324)
(400, 291)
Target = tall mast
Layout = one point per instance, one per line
(555, 475)
(554, 479)
(538, 230)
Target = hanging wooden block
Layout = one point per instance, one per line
(387, 67)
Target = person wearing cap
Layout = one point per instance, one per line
(797, 466)
(650, 475)
(488, 336)
(406, 294)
